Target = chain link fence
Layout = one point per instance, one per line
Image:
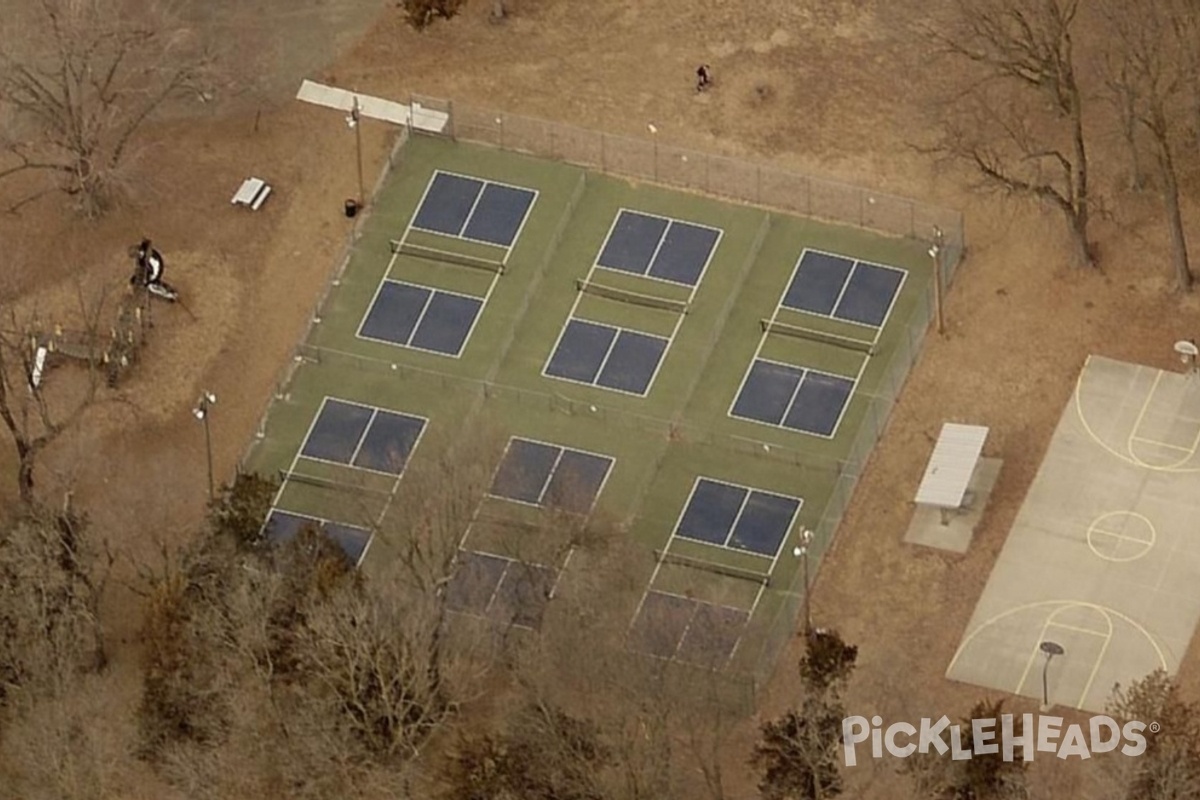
(768, 186)
(760, 184)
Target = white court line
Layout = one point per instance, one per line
(762, 340)
(322, 523)
(736, 518)
(360, 335)
(833, 315)
(682, 638)
(787, 531)
(687, 627)
(662, 359)
(550, 475)
(508, 568)
(607, 354)
(891, 302)
(612, 226)
(363, 436)
(392, 263)
(837, 301)
(485, 181)
(396, 483)
(707, 261)
(295, 458)
(895, 297)
(610, 460)
(421, 316)
(749, 490)
(421, 204)
(521, 227)
(653, 255)
(479, 193)
(375, 296)
(666, 231)
(478, 314)
(806, 371)
(850, 397)
(661, 559)
(678, 319)
(594, 384)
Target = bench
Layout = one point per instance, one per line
(252, 193)
(948, 474)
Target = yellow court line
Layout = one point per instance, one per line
(1087, 687)
(1099, 657)
(1042, 637)
(1189, 450)
(1122, 536)
(1050, 623)
(1130, 459)
(1033, 653)
(1077, 629)
(1108, 612)
(1137, 424)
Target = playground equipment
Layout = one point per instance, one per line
(116, 352)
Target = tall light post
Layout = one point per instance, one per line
(1050, 649)
(200, 412)
(353, 121)
(654, 138)
(801, 551)
(935, 251)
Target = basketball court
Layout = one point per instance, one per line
(1104, 557)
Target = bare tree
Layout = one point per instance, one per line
(34, 415)
(1022, 60)
(1170, 767)
(53, 575)
(78, 80)
(984, 776)
(797, 753)
(1152, 52)
(348, 674)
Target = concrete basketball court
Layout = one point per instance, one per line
(1104, 556)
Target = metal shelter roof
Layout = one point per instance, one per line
(951, 465)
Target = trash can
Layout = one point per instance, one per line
(352, 207)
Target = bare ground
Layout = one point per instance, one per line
(833, 88)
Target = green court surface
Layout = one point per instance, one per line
(660, 440)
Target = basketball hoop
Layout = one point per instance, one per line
(1187, 352)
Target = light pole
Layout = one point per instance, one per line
(654, 138)
(200, 412)
(935, 252)
(1051, 649)
(353, 121)
(801, 551)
